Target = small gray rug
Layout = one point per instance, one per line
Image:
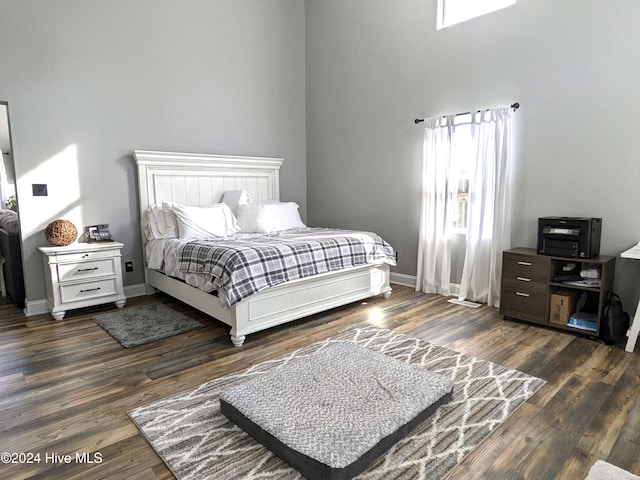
(602, 470)
(139, 325)
(196, 441)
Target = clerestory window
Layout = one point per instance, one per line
(451, 12)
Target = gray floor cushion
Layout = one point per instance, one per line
(332, 413)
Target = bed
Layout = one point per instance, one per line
(198, 180)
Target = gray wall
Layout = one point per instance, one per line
(374, 65)
(89, 81)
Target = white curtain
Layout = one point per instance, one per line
(489, 231)
(438, 196)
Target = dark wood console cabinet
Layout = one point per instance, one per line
(529, 280)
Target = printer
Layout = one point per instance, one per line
(572, 237)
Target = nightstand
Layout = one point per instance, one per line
(82, 275)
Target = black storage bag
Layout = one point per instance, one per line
(615, 321)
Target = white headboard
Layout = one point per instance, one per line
(199, 179)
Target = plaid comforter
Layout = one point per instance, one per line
(246, 264)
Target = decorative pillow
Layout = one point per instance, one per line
(235, 197)
(9, 221)
(160, 222)
(205, 222)
(153, 223)
(267, 217)
(170, 221)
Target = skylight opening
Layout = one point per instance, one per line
(451, 12)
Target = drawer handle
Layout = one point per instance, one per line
(523, 279)
(528, 264)
(87, 269)
(521, 294)
(90, 290)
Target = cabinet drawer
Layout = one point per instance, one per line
(525, 268)
(526, 302)
(523, 284)
(94, 268)
(86, 290)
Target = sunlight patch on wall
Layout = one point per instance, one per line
(60, 174)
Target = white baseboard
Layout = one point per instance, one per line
(38, 307)
(35, 307)
(410, 281)
(403, 279)
(138, 290)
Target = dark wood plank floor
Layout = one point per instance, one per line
(66, 387)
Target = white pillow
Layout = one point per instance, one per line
(205, 222)
(160, 222)
(267, 217)
(170, 221)
(235, 197)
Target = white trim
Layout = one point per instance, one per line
(35, 307)
(403, 279)
(410, 281)
(137, 290)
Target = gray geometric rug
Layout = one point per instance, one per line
(196, 441)
(138, 325)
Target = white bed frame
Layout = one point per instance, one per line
(199, 179)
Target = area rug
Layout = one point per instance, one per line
(196, 441)
(602, 470)
(139, 325)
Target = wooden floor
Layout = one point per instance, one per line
(66, 387)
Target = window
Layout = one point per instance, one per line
(451, 12)
(464, 154)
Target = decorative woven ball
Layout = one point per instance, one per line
(61, 232)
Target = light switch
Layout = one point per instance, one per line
(39, 189)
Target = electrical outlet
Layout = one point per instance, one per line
(128, 266)
(396, 255)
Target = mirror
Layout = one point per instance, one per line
(12, 279)
(7, 170)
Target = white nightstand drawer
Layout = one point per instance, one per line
(86, 290)
(95, 268)
(86, 256)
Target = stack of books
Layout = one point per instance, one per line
(583, 321)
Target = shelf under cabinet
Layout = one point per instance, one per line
(576, 287)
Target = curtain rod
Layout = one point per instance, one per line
(515, 106)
